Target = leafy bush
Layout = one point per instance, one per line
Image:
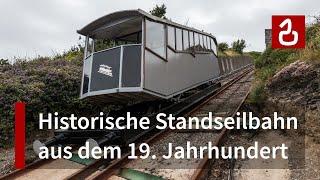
(223, 46)
(46, 85)
(257, 95)
(312, 50)
(254, 54)
(274, 57)
(239, 45)
(4, 61)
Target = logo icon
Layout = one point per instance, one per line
(105, 69)
(288, 31)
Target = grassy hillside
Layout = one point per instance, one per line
(272, 60)
(46, 85)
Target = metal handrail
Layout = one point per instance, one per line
(115, 47)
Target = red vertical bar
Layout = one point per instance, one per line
(19, 135)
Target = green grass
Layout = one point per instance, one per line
(272, 60)
(46, 84)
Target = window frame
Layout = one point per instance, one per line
(181, 43)
(191, 46)
(201, 42)
(191, 51)
(208, 43)
(196, 41)
(174, 37)
(185, 39)
(214, 50)
(205, 43)
(89, 51)
(165, 56)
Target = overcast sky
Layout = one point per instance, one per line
(38, 27)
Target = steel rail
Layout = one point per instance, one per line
(114, 168)
(202, 168)
(29, 167)
(34, 165)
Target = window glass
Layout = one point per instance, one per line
(191, 40)
(89, 47)
(213, 46)
(86, 75)
(205, 45)
(185, 40)
(155, 38)
(134, 38)
(196, 41)
(179, 39)
(171, 37)
(208, 42)
(102, 44)
(201, 42)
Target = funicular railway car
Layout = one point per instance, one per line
(151, 58)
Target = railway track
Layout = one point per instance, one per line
(213, 99)
(219, 103)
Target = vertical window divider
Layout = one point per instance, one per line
(166, 40)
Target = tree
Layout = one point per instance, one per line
(159, 11)
(223, 46)
(239, 45)
(317, 18)
(4, 61)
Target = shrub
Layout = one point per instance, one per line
(272, 60)
(239, 45)
(257, 96)
(223, 46)
(312, 50)
(4, 62)
(46, 85)
(254, 54)
(274, 57)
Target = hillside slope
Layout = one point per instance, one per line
(46, 85)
